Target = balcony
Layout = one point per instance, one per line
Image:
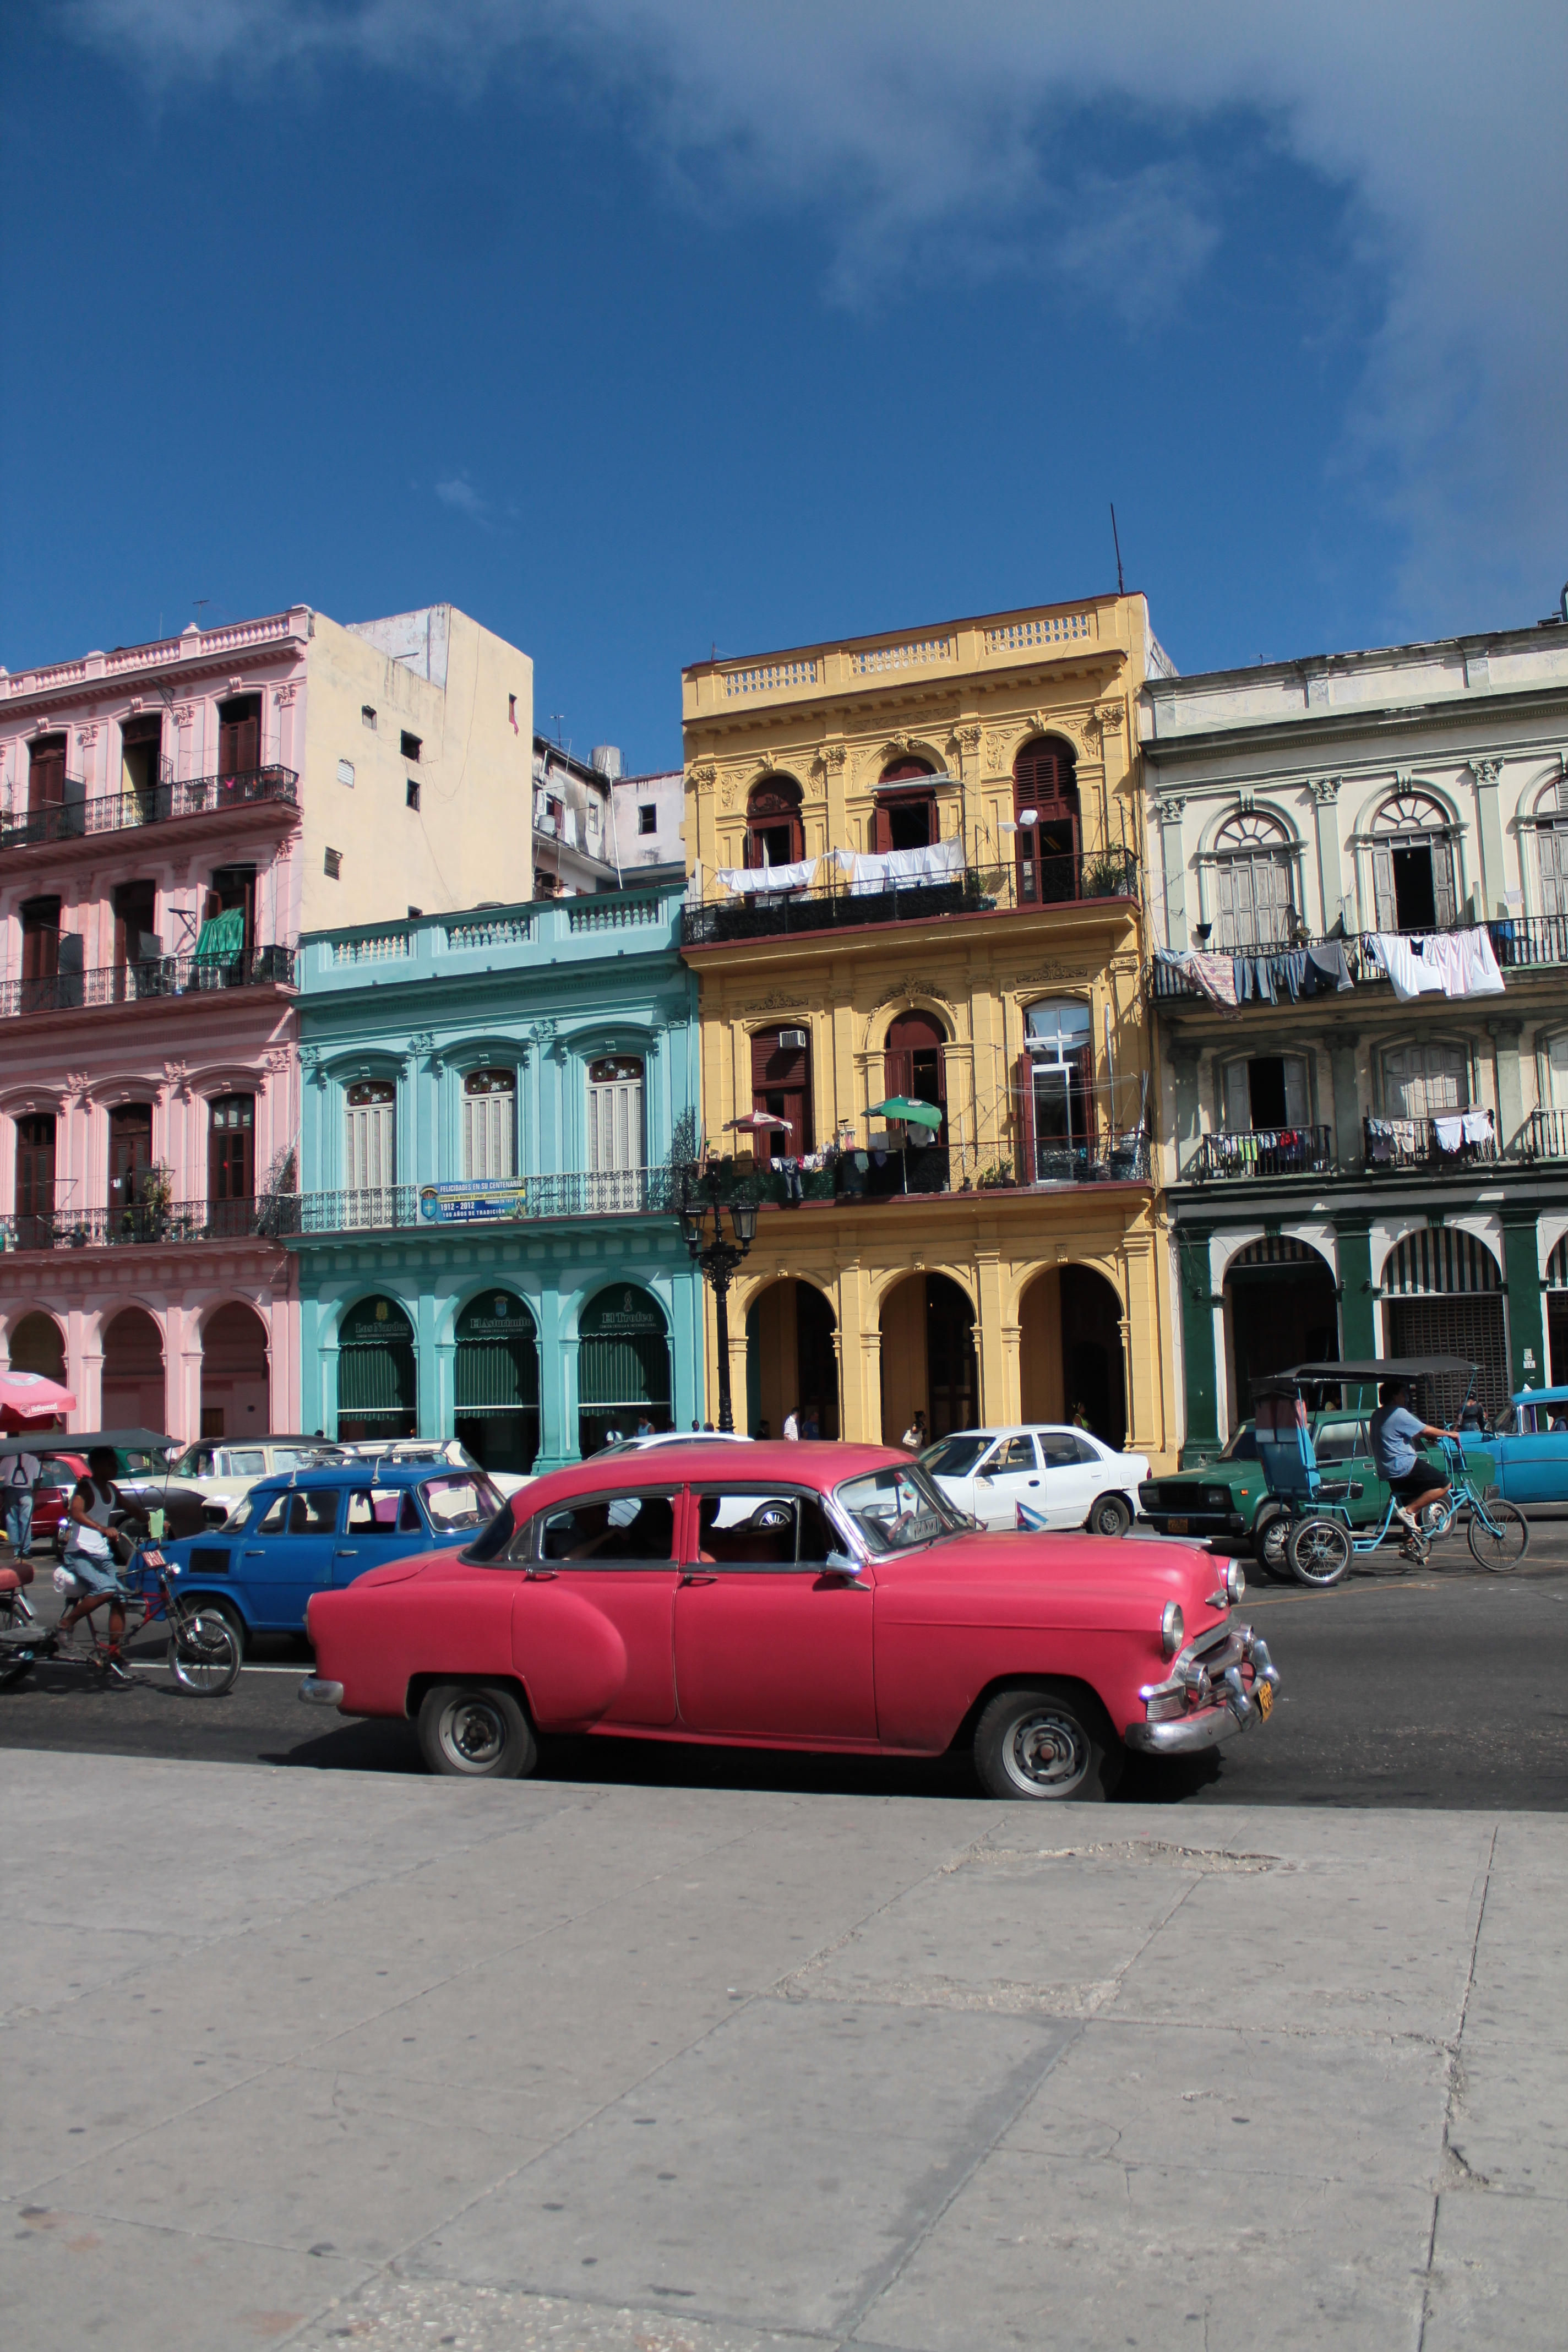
(1456, 1139)
(1546, 1136)
(1099, 875)
(526, 1199)
(146, 1223)
(137, 983)
(1264, 975)
(159, 803)
(1237, 1157)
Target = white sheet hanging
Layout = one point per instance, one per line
(744, 881)
(941, 861)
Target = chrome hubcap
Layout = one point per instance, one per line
(1046, 1754)
(472, 1733)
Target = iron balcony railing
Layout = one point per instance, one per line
(1521, 943)
(136, 983)
(145, 1222)
(1452, 1139)
(977, 889)
(157, 804)
(1546, 1136)
(1233, 1155)
(524, 1200)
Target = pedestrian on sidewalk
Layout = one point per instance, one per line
(22, 1473)
(791, 1423)
(914, 1438)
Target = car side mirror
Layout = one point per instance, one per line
(842, 1563)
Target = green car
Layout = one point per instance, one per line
(1229, 1499)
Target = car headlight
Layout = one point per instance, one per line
(1172, 1628)
(1216, 1498)
(1235, 1581)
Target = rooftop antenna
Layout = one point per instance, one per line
(560, 719)
(199, 605)
(1121, 586)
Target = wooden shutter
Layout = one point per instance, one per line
(1403, 1091)
(1552, 843)
(1443, 893)
(882, 829)
(239, 740)
(1446, 1080)
(489, 1136)
(1238, 1099)
(614, 1124)
(41, 938)
(1385, 905)
(47, 774)
(1295, 1090)
(1224, 904)
(1027, 1167)
(1274, 901)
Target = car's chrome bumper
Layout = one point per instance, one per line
(1210, 1695)
(315, 1692)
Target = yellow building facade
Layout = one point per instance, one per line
(914, 876)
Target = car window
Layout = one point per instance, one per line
(605, 1530)
(1512, 1418)
(759, 1528)
(375, 1511)
(290, 1457)
(1065, 1449)
(896, 1508)
(242, 1513)
(1243, 1446)
(277, 1518)
(465, 1499)
(1013, 1454)
(314, 1511)
(1340, 1440)
(249, 1462)
(953, 1457)
(195, 1461)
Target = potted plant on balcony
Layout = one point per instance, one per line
(151, 1213)
(999, 1178)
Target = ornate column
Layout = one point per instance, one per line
(1325, 792)
(1489, 829)
(1171, 808)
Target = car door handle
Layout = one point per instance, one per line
(1034, 1482)
(692, 1577)
(350, 1552)
(257, 1554)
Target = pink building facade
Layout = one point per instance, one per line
(150, 890)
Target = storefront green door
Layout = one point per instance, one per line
(497, 1381)
(623, 1367)
(377, 1382)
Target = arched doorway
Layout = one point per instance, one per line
(133, 1372)
(904, 816)
(790, 1358)
(774, 835)
(928, 1357)
(378, 1381)
(1413, 881)
(496, 1373)
(1045, 813)
(1279, 1309)
(39, 1345)
(235, 1392)
(1069, 1352)
(1442, 1291)
(623, 1367)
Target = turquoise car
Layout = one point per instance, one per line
(1529, 1442)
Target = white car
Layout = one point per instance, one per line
(431, 1449)
(1038, 1473)
(214, 1476)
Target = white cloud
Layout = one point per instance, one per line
(460, 495)
(940, 140)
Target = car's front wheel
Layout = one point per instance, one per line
(1110, 1516)
(1270, 1540)
(1045, 1743)
(476, 1730)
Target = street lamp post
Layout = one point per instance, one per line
(718, 1259)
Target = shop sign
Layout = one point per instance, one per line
(628, 1311)
(378, 1322)
(471, 1204)
(496, 1315)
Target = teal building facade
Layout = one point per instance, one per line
(486, 1227)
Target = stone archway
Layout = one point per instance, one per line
(39, 1345)
(235, 1395)
(1069, 1352)
(1280, 1308)
(133, 1389)
(790, 1357)
(928, 1354)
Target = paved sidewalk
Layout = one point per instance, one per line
(327, 2059)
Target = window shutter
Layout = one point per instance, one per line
(1028, 1164)
(1387, 910)
(1277, 883)
(881, 830)
(1238, 1099)
(1402, 1093)
(1295, 1090)
(1552, 843)
(1447, 1080)
(47, 778)
(1224, 904)
(1443, 895)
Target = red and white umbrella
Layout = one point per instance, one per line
(760, 1122)
(28, 1396)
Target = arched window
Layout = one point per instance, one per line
(616, 1149)
(774, 836)
(781, 1088)
(1412, 864)
(490, 1126)
(1055, 1096)
(905, 813)
(1252, 883)
(1551, 847)
(1046, 811)
(914, 1065)
(1425, 1081)
(370, 1155)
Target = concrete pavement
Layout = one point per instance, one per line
(325, 2058)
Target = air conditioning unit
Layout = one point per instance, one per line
(793, 1041)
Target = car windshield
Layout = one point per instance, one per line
(953, 1457)
(245, 1510)
(896, 1508)
(465, 1499)
(1243, 1446)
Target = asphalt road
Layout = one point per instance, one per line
(1444, 1687)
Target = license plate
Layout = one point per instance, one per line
(1176, 1526)
(1264, 1693)
(152, 1558)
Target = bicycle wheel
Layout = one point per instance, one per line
(1498, 1534)
(204, 1656)
(1319, 1552)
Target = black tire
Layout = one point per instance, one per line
(1319, 1552)
(476, 1730)
(14, 1665)
(205, 1657)
(1046, 1744)
(1110, 1516)
(1271, 1542)
(1505, 1550)
(204, 1604)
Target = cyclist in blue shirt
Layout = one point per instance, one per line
(1394, 1432)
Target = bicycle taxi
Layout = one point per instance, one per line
(1322, 1540)
(203, 1652)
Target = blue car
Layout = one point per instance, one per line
(1530, 1441)
(318, 1529)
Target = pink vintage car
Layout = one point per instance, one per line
(808, 1596)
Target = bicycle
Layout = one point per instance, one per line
(204, 1653)
(1320, 1547)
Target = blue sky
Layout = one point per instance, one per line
(635, 327)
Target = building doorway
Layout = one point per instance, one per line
(236, 1392)
(1069, 1352)
(1280, 1308)
(928, 1358)
(378, 1379)
(791, 1362)
(39, 1345)
(133, 1395)
(623, 1367)
(497, 1374)
(1442, 1291)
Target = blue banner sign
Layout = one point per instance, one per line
(469, 1204)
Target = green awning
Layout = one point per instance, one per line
(222, 936)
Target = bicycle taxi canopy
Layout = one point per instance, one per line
(1284, 1431)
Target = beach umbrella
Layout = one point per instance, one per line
(758, 1122)
(28, 1396)
(916, 1114)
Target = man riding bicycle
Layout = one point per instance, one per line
(91, 1556)
(1412, 1480)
